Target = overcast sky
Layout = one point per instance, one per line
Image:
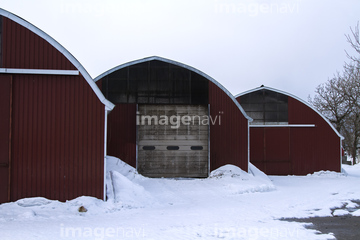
(291, 45)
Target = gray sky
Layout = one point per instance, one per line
(291, 45)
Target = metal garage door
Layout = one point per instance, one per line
(175, 141)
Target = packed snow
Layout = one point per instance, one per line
(230, 204)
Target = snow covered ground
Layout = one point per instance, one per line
(230, 204)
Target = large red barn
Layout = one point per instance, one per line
(53, 118)
(157, 89)
(288, 136)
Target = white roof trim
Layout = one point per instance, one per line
(181, 65)
(61, 49)
(295, 97)
(39, 71)
(284, 125)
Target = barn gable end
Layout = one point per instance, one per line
(55, 118)
(288, 135)
(155, 81)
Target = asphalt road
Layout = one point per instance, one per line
(343, 228)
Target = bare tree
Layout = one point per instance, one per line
(354, 40)
(350, 89)
(330, 101)
(339, 98)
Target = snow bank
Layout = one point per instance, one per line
(340, 212)
(352, 170)
(229, 204)
(254, 181)
(126, 187)
(42, 208)
(229, 171)
(328, 174)
(356, 213)
(31, 202)
(115, 164)
(129, 194)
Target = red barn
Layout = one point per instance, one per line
(172, 120)
(288, 136)
(53, 118)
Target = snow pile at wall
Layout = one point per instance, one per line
(327, 174)
(42, 208)
(222, 206)
(127, 193)
(121, 186)
(243, 182)
(115, 164)
(127, 187)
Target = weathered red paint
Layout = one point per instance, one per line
(228, 140)
(121, 134)
(5, 136)
(57, 143)
(57, 133)
(24, 49)
(296, 150)
(270, 149)
(313, 149)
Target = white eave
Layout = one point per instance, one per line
(180, 65)
(295, 97)
(66, 53)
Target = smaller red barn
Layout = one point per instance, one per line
(288, 136)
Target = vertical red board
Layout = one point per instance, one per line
(19, 45)
(257, 144)
(228, 138)
(317, 148)
(303, 150)
(121, 133)
(277, 142)
(5, 134)
(270, 149)
(57, 138)
(277, 151)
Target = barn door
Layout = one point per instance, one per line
(277, 150)
(5, 135)
(174, 149)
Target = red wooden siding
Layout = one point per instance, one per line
(228, 141)
(257, 148)
(320, 146)
(57, 138)
(121, 134)
(296, 150)
(270, 149)
(5, 136)
(57, 123)
(304, 151)
(24, 49)
(277, 150)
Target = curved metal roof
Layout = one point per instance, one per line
(180, 65)
(295, 97)
(61, 49)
